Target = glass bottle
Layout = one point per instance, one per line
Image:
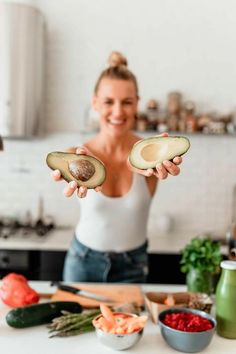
(226, 300)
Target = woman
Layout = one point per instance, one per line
(110, 242)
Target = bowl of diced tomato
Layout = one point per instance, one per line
(187, 330)
(118, 330)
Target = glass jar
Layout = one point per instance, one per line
(199, 281)
(226, 300)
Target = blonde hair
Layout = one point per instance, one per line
(117, 69)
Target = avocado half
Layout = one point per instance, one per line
(85, 170)
(147, 153)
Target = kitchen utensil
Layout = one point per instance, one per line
(119, 293)
(81, 292)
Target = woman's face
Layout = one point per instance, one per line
(116, 101)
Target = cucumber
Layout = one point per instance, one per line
(37, 314)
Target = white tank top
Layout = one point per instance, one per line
(115, 224)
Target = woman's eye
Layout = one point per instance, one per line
(108, 102)
(127, 103)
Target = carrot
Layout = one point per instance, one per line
(118, 323)
(107, 314)
(169, 301)
(120, 330)
(105, 325)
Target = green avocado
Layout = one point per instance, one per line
(85, 170)
(147, 153)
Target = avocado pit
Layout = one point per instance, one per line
(81, 169)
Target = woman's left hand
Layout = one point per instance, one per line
(162, 170)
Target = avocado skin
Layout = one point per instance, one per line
(60, 160)
(153, 140)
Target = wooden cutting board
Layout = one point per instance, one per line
(119, 293)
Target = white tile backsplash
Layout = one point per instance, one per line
(198, 200)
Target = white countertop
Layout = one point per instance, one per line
(60, 239)
(36, 339)
(55, 240)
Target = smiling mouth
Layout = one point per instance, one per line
(117, 122)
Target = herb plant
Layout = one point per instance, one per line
(201, 253)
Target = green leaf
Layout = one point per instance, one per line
(201, 253)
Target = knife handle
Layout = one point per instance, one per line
(65, 287)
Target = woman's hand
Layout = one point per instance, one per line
(72, 186)
(162, 170)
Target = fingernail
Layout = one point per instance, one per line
(56, 173)
(80, 151)
(80, 194)
(159, 165)
(72, 184)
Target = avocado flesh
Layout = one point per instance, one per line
(60, 161)
(147, 153)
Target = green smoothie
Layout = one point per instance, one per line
(226, 300)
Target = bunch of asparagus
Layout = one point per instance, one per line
(71, 324)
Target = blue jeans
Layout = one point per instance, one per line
(82, 264)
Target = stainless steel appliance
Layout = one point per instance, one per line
(22, 41)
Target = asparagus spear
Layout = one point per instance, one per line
(72, 324)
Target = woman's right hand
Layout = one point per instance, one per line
(72, 186)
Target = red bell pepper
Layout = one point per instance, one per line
(15, 291)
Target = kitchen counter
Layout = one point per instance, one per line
(35, 339)
(55, 240)
(60, 239)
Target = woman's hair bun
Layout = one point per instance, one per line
(117, 59)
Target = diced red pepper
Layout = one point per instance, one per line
(188, 322)
(15, 291)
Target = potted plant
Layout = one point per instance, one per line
(201, 261)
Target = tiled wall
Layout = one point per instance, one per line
(196, 201)
(169, 46)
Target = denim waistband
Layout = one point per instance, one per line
(78, 245)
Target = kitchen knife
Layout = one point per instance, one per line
(81, 292)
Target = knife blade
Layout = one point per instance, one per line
(85, 293)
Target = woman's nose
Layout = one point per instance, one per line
(117, 109)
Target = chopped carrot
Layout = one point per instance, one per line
(105, 324)
(169, 301)
(118, 323)
(107, 314)
(120, 330)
